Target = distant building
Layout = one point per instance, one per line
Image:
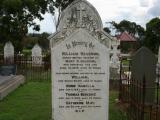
(128, 43)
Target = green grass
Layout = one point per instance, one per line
(125, 62)
(38, 76)
(32, 101)
(26, 52)
(29, 102)
(114, 112)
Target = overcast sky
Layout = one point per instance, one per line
(139, 11)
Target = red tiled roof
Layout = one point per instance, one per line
(125, 37)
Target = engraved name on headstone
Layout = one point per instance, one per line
(36, 55)
(9, 52)
(80, 65)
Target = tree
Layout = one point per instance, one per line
(152, 39)
(130, 27)
(17, 15)
(32, 39)
(133, 29)
(43, 41)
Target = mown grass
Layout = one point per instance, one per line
(114, 112)
(32, 101)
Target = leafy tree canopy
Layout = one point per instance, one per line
(130, 27)
(62, 4)
(16, 16)
(152, 38)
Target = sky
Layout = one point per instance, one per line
(139, 11)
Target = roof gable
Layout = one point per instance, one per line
(126, 37)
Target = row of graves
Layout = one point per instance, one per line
(24, 62)
(9, 81)
(14, 69)
(9, 54)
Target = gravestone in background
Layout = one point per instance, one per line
(36, 55)
(9, 53)
(144, 74)
(142, 92)
(80, 65)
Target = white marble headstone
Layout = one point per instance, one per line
(80, 78)
(80, 65)
(9, 52)
(36, 55)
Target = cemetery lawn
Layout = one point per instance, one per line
(114, 111)
(32, 101)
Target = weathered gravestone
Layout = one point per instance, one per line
(36, 55)
(142, 81)
(9, 53)
(80, 65)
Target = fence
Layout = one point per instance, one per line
(124, 83)
(33, 68)
(140, 87)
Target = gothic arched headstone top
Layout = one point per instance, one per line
(8, 50)
(80, 14)
(36, 50)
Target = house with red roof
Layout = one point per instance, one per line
(128, 43)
